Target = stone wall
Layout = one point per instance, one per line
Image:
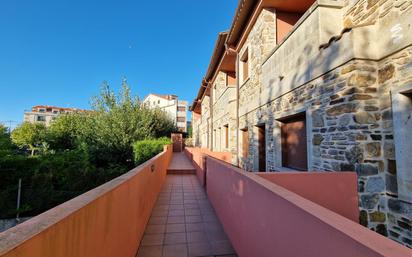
(364, 12)
(224, 113)
(343, 82)
(349, 113)
(205, 125)
(260, 42)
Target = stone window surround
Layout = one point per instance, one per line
(402, 127)
(241, 63)
(278, 139)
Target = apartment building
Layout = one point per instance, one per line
(46, 114)
(318, 86)
(177, 109)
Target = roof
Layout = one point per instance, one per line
(166, 97)
(246, 10)
(56, 108)
(219, 52)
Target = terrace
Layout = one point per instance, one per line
(204, 207)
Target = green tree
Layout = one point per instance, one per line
(29, 136)
(5, 141)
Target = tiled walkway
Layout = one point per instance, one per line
(183, 223)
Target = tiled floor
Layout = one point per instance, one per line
(183, 223)
(181, 164)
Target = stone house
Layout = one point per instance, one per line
(318, 86)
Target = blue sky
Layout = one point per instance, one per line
(58, 52)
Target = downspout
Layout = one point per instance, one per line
(237, 111)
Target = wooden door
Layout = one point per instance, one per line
(262, 147)
(177, 140)
(245, 143)
(294, 143)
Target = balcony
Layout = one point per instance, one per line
(297, 58)
(204, 207)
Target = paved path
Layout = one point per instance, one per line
(180, 164)
(183, 222)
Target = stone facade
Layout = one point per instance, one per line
(224, 114)
(341, 66)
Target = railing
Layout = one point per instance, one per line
(107, 221)
(263, 218)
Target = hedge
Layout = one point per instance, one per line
(146, 149)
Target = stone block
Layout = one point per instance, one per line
(389, 150)
(363, 117)
(373, 149)
(391, 184)
(400, 207)
(375, 185)
(317, 139)
(366, 169)
(377, 216)
(386, 73)
(354, 155)
(361, 80)
(363, 218)
(342, 109)
(317, 119)
(369, 201)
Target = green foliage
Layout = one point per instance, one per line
(29, 136)
(78, 152)
(5, 142)
(144, 150)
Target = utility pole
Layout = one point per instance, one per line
(18, 200)
(10, 122)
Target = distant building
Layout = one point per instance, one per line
(46, 114)
(177, 109)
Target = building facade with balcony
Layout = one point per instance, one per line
(46, 114)
(175, 108)
(318, 86)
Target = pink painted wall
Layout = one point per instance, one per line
(263, 219)
(198, 155)
(335, 191)
(107, 221)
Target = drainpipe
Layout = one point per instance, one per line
(237, 110)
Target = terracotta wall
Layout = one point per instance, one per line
(198, 157)
(284, 24)
(107, 221)
(337, 192)
(263, 219)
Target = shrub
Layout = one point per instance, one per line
(146, 149)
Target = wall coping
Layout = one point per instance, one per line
(377, 243)
(23, 232)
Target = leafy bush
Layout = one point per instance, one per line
(78, 152)
(146, 149)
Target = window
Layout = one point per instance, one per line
(294, 142)
(244, 64)
(402, 122)
(261, 132)
(42, 110)
(41, 118)
(245, 143)
(158, 101)
(181, 119)
(226, 131)
(181, 109)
